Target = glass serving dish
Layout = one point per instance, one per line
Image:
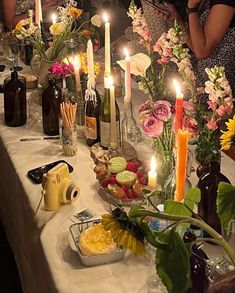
(93, 260)
(104, 193)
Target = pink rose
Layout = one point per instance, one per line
(162, 110)
(212, 124)
(191, 124)
(152, 126)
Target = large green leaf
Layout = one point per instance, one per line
(192, 197)
(173, 266)
(176, 208)
(226, 204)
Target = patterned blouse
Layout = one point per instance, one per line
(222, 55)
(23, 6)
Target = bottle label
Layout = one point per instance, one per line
(105, 133)
(90, 127)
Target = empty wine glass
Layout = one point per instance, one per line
(11, 48)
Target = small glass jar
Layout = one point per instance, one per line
(69, 139)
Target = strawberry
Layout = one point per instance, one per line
(112, 180)
(143, 180)
(130, 194)
(105, 182)
(131, 166)
(125, 188)
(139, 173)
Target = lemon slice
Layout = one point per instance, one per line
(96, 240)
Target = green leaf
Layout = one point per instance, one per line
(176, 208)
(192, 197)
(226, 204)
(173, 266)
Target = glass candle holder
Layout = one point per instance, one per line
(69, 139)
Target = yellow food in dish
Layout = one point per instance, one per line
(96, 240)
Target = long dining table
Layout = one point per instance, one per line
(39, 238)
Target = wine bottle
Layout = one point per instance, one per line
(105, 120)
(15, 100)
(51, 99)
(92, 121)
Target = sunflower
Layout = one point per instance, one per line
(228, 136)
(124, 232)
(75, 12)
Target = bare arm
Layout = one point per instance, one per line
(205, 38)
(9, 11)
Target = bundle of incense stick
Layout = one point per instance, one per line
(68, 114)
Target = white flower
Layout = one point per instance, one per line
(96, 20)
(139, 64)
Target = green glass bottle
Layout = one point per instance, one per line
(105, 120)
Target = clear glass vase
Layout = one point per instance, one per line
(130, 132)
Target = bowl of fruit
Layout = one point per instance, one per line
(121, 182)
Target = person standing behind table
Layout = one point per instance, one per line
(15, 10)
(211, 36)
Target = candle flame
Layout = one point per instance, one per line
(177, 87)
(110, 81)
(126, 52)
(76, 62)
(54, 18)
(105, 17)
(153, 164)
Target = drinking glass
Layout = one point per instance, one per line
(11, 48)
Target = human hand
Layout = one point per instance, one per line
(194, 3)
(173, 14)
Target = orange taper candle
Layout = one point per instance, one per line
(181, 163)
(178, 107)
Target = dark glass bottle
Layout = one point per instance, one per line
(197, 262)
(15, 100)
(92, 119)
(105, 120)
(208, 184)
(51, 99)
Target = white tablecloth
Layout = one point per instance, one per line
(40, 243)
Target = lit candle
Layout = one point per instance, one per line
(107, 45)
(127, 76)
(113, 126)
(181, 163)
(90, 64)
(53, 17)
(38, 12)
(152, 175)
(178, 107)
(77, 65)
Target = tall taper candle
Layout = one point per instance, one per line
(38, 12)
(113, 125)
(107, 45)
(90, 64)
(77, 65)
(178, 107)
(152, 175)
(127, 76)
(181, 163)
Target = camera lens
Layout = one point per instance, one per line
(72, 192)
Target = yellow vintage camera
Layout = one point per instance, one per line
(58, 188)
